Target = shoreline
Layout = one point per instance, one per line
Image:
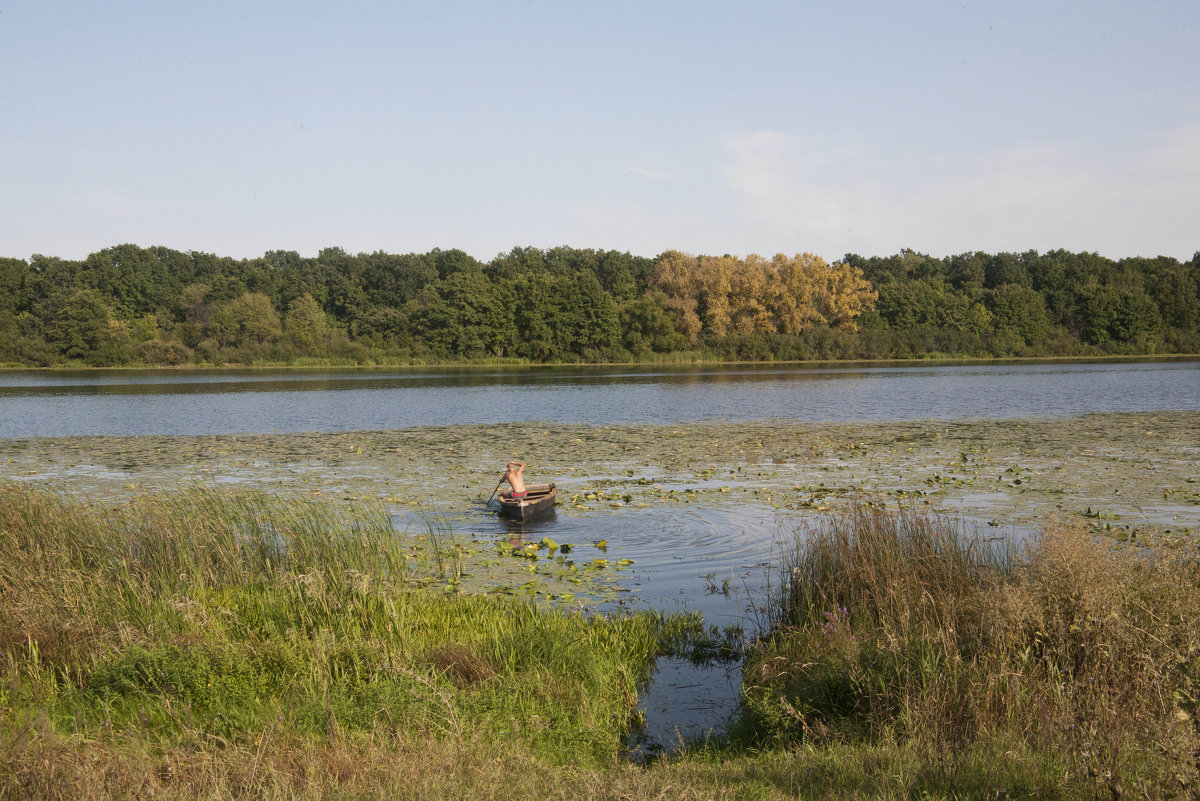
(932, 361)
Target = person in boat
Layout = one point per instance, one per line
(515, 476)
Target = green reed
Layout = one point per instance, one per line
(216, 614)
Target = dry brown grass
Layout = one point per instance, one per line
(283, 768)
(1077, 651)
(464, 666)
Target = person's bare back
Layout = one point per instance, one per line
(515, 477)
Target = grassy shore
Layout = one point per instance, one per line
(224, 623)
(233, 645)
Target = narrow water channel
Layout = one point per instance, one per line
(679, 559)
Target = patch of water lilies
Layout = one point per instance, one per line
(544, 569)
(979, 466)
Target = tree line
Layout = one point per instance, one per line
(128, 305)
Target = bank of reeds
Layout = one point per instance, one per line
(236, 645)
(162, 634)
(1066, 668)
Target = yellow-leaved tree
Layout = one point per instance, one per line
(716, 277)
(846, 295)
(750, 310)
(722, 295)
(675, 275)
(793, 297)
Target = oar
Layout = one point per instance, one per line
(493, 495)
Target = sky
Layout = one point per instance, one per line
(828, 127)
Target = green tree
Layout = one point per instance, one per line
(1020, 309)
(9, 333)
(967, 269)
(930, 302)
(1136, 321)
(906, 304)
(535, 316)
(1120, 320)
(80, 329)
(49, 283)
(648, 326)
(449, 262)
(224, 288)
(392, 281)
(13, 273)
(622, 275)
(590, 322)
(136, 280)
(518, 262)
(1098, 313)
(906, 265)
(387, 327)
(465, 314)
(1006, 268)
(31, 346)
(249, 320)
(292, 276)
(305, 323)
(1173, 291)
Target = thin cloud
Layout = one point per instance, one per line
(653, 175)
(788, 183)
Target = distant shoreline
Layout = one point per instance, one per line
(527, 365)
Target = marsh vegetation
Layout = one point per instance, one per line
(177, 629)
(1128, 471)
(233, 644)
(962, 609)
(1064, 668)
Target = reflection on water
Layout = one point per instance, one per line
(686, 703)
(233, 402)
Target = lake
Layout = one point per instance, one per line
(687, 538)
(126, 403)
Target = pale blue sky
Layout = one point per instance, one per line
(709, 127)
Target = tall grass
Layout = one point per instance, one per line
(1060, 670)
(230, 645)
(211, 619)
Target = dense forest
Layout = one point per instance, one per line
(129, 305)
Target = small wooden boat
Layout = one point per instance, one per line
(538, 500)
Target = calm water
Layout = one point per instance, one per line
(34, 404)
(715, 561)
